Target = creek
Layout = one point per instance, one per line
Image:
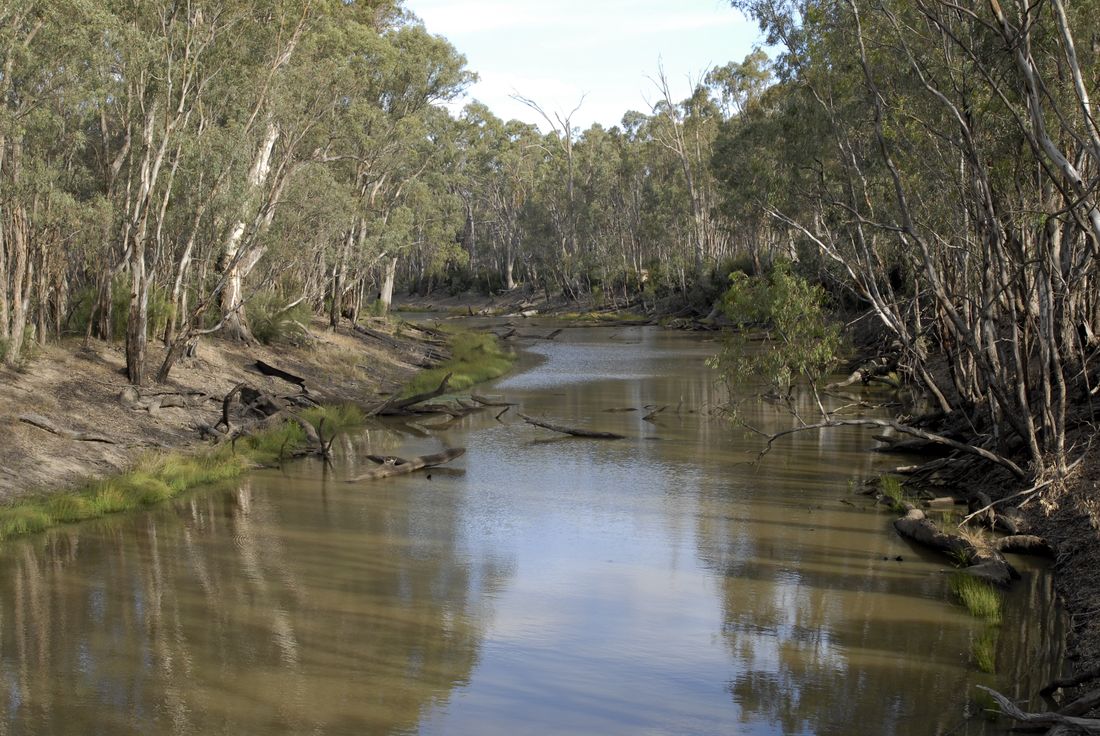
(661, 584)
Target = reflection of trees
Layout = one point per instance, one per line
(828, 638)
(244, 612)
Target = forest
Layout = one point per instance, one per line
(173, 169)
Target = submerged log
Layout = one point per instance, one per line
(572, 431)
(486, 401)
(983, 562)
(390, 466)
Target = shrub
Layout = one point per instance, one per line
(273, 322)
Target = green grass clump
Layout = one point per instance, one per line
(984, 649)
(476, 357)
(273, 445)
(979, 597)
(22, 520)
(891, 489)
(338, 418)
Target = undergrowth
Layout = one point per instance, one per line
(476, 357)
(157, 478)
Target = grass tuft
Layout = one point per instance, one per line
(979, 597)
(891, 489)
(476, 357)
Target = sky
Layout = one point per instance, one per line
(556, 51)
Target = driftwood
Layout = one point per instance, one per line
(395, 406)
(36, 420)
(226, 403)
(548, 336)
(1075, 723)
(485, 401)
(269, 370)
(390, 466)
(866, 373)
(572, 431)
(620, 410)
(652, 416)
(982, 562)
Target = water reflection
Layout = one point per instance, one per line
(244, 612)
(659, 584)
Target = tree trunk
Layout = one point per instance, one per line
(386, 295)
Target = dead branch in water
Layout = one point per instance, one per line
(903, 429)
(396, 406)
(1010, 709)
(486, 401)
(572, 431)
(390, 466)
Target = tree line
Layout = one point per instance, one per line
(170, 167)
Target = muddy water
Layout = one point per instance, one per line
(655, 585)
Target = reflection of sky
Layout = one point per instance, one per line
(613, 622)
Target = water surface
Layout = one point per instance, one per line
(662, 584)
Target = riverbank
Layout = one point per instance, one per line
(102, 431)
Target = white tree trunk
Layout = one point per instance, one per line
(386, 296)
(235, 324)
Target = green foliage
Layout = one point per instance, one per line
(476, 357)
(159, 306)
(979, 597)
(800, 340)
(892, 489)
(338, 418)
(272, 322)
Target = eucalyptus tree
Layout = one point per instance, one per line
(950, 191)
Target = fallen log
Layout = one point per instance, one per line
(36, 420)
(391, 466)
(1024, 544)
(269, 370)
(1011, 710)
(395, 406)
(572, 431)
(652, 416)
(986, 563)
